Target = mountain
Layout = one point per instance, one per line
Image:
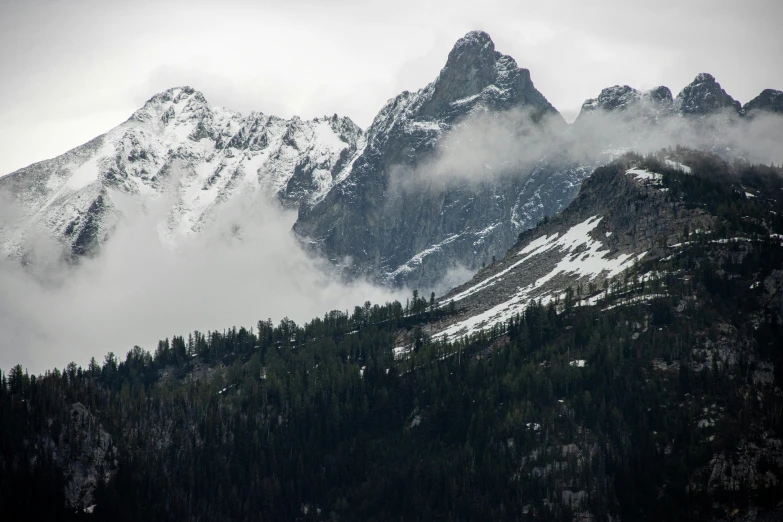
(704, 96)
(622, 360)
(649, 106)
(623, 215)
(177, 152)
(393, 219)
(702, 116)
(441, 183)
(769, 100)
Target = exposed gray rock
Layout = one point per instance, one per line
(391, 221)
(703, 96)
(769, 100)
(623, 97)
(630, 110)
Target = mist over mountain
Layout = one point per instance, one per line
(439, 185)
(470, 310)
(622, 359)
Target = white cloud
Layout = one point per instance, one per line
(243, 268)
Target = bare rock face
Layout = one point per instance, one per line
(623, 97)
(769, 101)
(703, 96)
(392, 220)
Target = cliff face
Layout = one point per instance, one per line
(396, 220)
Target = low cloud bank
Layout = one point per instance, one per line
(243, 268)
(486, 146)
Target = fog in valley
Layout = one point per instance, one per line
(245, 267)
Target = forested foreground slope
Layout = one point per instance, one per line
(654, 396)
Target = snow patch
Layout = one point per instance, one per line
(677, 166)
(591, 262)
(416, 260)
(644, 175)
(87, 173)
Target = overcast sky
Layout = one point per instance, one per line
(72, 69)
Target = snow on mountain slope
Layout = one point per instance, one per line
(177, 154)
(621, 217)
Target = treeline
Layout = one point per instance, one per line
(619, 409)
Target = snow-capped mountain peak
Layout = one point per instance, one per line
(199, 154)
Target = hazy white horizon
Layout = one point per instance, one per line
(77, 69)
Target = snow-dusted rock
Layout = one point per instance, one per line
(182, 152)
(394, 218)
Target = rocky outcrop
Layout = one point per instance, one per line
(703, 96)
(625, 98)
(770, 101)
(83, 450)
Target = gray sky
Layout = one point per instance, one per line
(73, 69)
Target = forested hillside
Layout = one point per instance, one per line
(654, 396)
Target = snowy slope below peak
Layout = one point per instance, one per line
(578, 256)
(621, 217)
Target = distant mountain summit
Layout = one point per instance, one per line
(635, 108)
(769, 100)
(623, 97)
(388, 218)
(177, 144)
(478, 76)
(704, 95)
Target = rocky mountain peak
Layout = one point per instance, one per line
(166, 104)
(612, 98)
(660, 94)
(471, 48)
(703, 96)
(644, 106)
(769, 100)
(177, 95)
(476, 74)
(621, 97)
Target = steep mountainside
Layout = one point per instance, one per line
(630, 212)
(396, 220)
(391, 219)
(441, 183)
(179, 153)
(623, 215)
(637, 376)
